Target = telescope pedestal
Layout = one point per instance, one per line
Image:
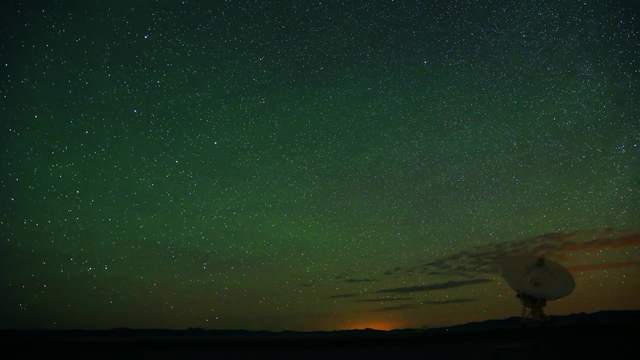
(532, 307)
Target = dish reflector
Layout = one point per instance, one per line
(538, 277)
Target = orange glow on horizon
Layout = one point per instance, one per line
(376, 325)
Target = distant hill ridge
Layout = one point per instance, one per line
(601, 318)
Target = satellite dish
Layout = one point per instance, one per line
(535, 281)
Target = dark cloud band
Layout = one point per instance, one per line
(435, 286)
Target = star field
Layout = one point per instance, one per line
(312, 165)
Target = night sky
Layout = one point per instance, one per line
(313, 164)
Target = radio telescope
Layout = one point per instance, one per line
(537, 280)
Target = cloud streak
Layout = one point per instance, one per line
(358, 280)
(435, 286)
(422, 303)
(485, 260)
(477, 265)
(603, 266)
(619, 242)
(395, 308)
(389, 299)
(447, 302)
(344, 296)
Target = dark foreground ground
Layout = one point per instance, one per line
(604, 335)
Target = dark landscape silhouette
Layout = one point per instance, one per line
(573, 336)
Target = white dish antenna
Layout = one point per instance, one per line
(535, 281)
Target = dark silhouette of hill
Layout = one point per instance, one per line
(604, 333)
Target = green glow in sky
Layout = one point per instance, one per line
(287, 165)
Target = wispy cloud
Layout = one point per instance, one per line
(395, 308)
(605, 242)
(448, 301)
(343, 296)
(603, 266)
(422, 303)
(387, 299)
(476, 265)
(358, 280)
(435, 286)
(485, 260)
